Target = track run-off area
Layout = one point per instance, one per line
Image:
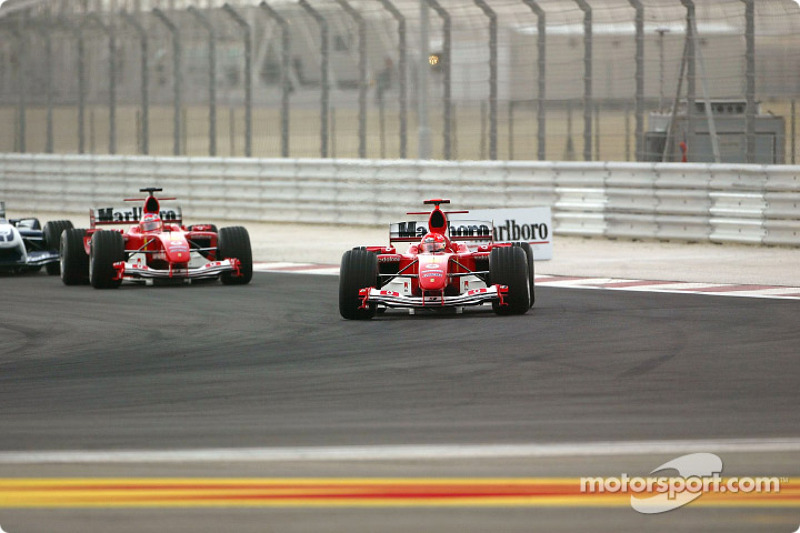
(257, 408)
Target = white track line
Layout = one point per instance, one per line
(404, 452)
(610, 284)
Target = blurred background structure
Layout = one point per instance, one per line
(594, 80)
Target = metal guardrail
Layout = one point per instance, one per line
(689, 202)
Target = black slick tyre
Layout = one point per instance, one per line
(234, 243)
(359, 269)
(73, 259)
(526, 247)
(509, 266)
(107, 248)
(52, 241)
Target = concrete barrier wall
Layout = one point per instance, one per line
(692, 202)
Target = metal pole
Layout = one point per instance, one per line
(794, 130)
(690, 77)
(325, 97)
(112, 86)
(81, 92)
(492, 76)
(286, 87)
(212, 79)
(674, 109)
(712, 128)
(511, 130)
(542, 80)
(661, 32)
(21, 103)
(750, 54)
(46, 33)
(77, 31)
(423, 68)
(639, 105)
(362, 75)
(447, 98)
(587, 78)
(401, 74)
(248, 78)
(178, 78)
(145, 112)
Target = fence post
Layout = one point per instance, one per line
(492, 76)
(750, 75)
(690, 77)
(587, 78)
(212, 79)
(248, 78)
(77, 31)
(177, 78)
(639, 111)
(286, 87)
(422, 70)
(145, 112)
(446, 59)
(541, 46)
(46, 33)
(325, 97)
(362, 75)
(112, 85)
(401, 74)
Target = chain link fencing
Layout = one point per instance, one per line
(610, 80)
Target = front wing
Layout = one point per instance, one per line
(34, 259)
(395, 299)
(208, 271)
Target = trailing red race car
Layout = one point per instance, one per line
(156, 246)
(447, 266)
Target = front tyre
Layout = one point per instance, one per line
(508, 266)
(359, 270)
(73, 259)
(107, 248)
(52, 241)
(526, 247)
(234, 243)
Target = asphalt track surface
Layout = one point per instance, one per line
(273, 365)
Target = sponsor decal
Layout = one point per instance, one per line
(110, 215)
(528, 224)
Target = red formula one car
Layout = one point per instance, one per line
(155, 246)
(449, 266)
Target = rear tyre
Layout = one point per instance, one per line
(74, 263)
(52, 241)
(509, 266)
(359, 269)
(526, 247)
(107, 248)
(234, 243)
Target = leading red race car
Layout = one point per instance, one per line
(156, 246)
(447, 266)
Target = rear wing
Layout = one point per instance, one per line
(104, 216)
(2, 210)
(458, 231)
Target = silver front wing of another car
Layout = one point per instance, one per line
(209, 270)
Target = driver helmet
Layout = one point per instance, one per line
(151, 222)
(433, 243)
